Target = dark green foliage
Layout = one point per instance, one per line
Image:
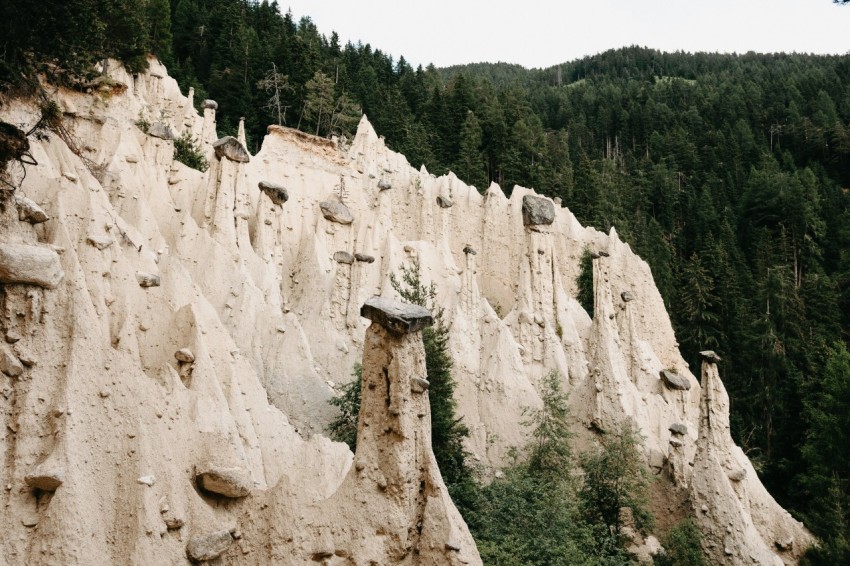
(682, 547)
(65, 38)
(584, 281)
(344, 427)
(535, 514)
(187, 152)
(447, 430)
(827, 478)
(549, 447)
(615, 477)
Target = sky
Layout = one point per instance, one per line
(537, 33)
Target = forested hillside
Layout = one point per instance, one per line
(729, 174)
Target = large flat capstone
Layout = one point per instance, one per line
(277, 193)
(709, 356)
(36, 265)
(232, 149)
(537, 210)
(395, 316)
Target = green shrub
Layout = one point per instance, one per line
(188, 153)
(344, 427)
(682, 547)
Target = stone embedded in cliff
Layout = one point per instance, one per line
(44, 480)
(738, 474)
(232, 149)
(147, 279)
(28, 211)
(99, 241)
(365, 258)
(419, 385)
(161, 131)
(469, 250)
(395, 316)
(184, 355)
(9, 363)
(537, 211)
(211, 104)
(675, 381)
(209, 546)
(444, 202)
(709, 356)
(36, 265)
(343, 257)
(627, 296)
(384, 185)
(227, 481)
(678, 428)
(335, 211)
(277, 193)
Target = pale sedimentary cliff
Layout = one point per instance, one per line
(172, 338)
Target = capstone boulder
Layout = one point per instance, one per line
(537, 211)
(232, 149)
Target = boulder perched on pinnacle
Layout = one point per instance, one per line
(365, 258)
(537, 211)
(395, 316)
(211, 104)
(709, 356)
(679, 428)
(335, 211)
(36, 265)
(277, 193)
(343, 257)
(45, 480)
(232, 149)
(444, 202)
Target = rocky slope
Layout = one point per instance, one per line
(172, 338)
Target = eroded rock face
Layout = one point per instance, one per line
(274, 325)
(35, 265)
(737, 517)
(537, 211)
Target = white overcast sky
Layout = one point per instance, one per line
(537, 33)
